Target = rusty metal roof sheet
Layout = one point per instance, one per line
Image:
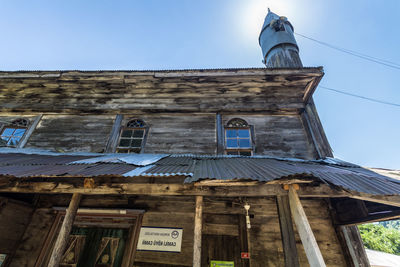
(196, 168)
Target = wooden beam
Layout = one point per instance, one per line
(354, 246)
(113, 138)
(287, 232)
(220, 134)
(198, 221)
(29, 132)
(66, 227)
(118, 186)
(387, 200)
(310, 245)
(122, 186)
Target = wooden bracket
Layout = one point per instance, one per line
(287, 186)
(88, 183)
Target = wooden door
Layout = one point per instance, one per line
(97, 247)
(224, 239)
(220, 248)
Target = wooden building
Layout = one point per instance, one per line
(212, 167)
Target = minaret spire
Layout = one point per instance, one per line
(278, 44)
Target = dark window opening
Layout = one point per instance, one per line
(131, 137)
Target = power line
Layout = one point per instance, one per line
(380, 61)
(360, 96)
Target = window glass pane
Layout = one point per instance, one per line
(8, 132)
(231, 133)
(231, 143)
(245, 153)
(125, 142)
(19, 132)
(244, 142)
(244, 133)
(126, 133)
(136, 142)
(232, 153)
(13, 141)
(138, 133)
(3, 141)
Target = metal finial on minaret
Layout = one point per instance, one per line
(278, 44)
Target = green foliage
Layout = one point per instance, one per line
(391, 224)
(378, 237)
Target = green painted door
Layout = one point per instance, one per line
(95, 247)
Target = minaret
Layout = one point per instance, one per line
(278, 44)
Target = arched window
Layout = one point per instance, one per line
(12, 133)
(238, 139)
(132, 136)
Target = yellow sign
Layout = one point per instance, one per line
(222, 264)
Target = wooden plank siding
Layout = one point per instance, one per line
(72, 133)
(125, 92)
(280, 136)
(180, 133)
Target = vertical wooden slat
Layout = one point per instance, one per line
(310, 245)
(220, 134)
(287, 232)
(354, 245)
(198, 219)
(30, 130)
(66, 227)
(113, 138)
(243, 239)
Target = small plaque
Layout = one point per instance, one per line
(245, 255)
(160, 239)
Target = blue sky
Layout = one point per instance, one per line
(175, 34)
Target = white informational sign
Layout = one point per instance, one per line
(160, 239)
(2, 259)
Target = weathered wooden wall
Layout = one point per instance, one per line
(121, 92)
(14, 218)
(219, 220)
(281, 136)
(34, 237)
(181, 133)
(71, 133)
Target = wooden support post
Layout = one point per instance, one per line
(287, 232)
(66, 227)
(354, 246)
(198, 222)
(310, 245)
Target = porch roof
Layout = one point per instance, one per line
(24, 163)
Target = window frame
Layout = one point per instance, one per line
(238, 150)
(14, 125)
(130, 149)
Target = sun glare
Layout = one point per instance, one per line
(253, 12)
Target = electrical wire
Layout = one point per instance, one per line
(380, 61)
(360, 96)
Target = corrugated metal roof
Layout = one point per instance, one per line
(135, 159)
(32, 159)
(87, 170)
(196, 168)
(159, 70)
